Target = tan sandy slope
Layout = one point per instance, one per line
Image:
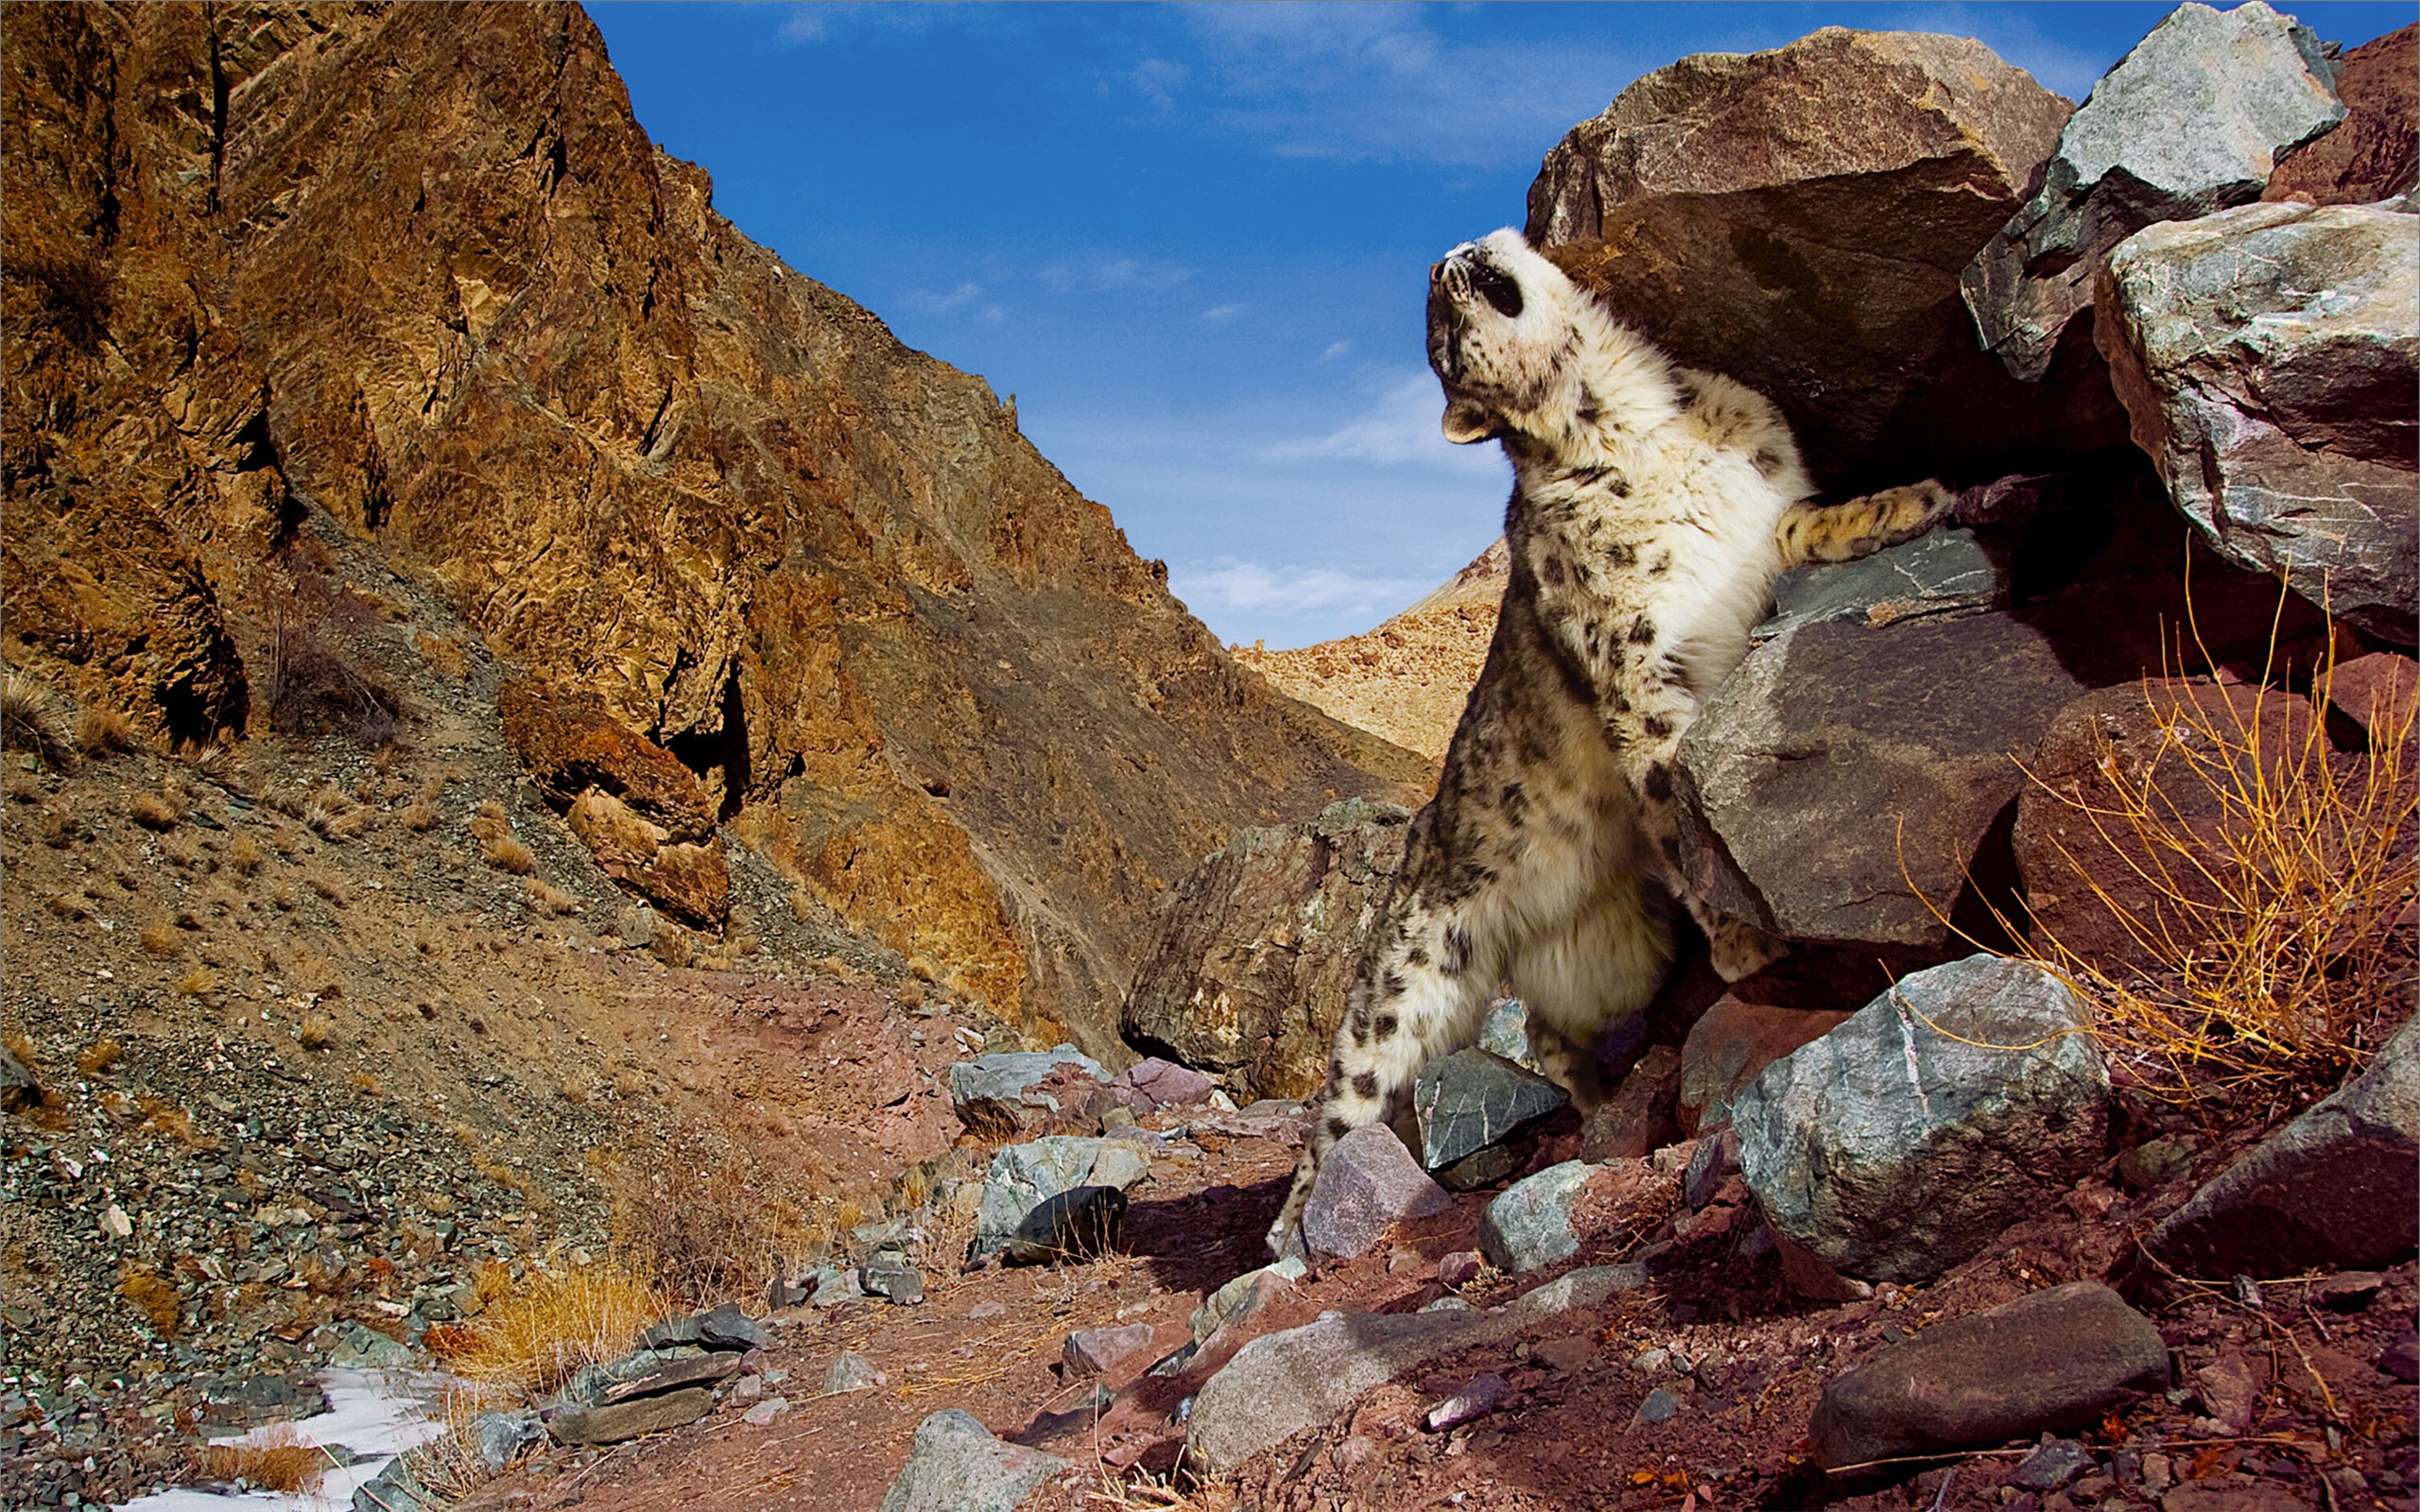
(1406, 680)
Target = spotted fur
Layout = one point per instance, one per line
(1652, 509)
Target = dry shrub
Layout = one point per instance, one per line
(31, 720)
(160, 937)
(421, 816)
(708, 1220)
(154, 810)
(312, 686)
(152, 1294)
(59, 831)
(100, 1056)
(69, 907)
(317, 1031)
(575, 1091)
(367, 1084)
(165, 1116)
(528, 1344)
(327, 887)
(629, 1084)
(197, 981)
(275, 1459)
(508, 855)
(104, 732)
(282, 897)
(2264, 880)
(331, 813)
(550, 901)
(244, 855)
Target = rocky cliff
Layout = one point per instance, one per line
(418, 270)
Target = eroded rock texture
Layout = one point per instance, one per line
(2268, 356)
(1797, 219)
(419, 270)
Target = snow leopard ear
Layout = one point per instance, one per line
(1468, 421)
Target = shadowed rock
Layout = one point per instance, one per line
(1469, 1100)
(1368, 1182)
(2056, 1359)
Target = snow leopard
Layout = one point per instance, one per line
(1652, 507)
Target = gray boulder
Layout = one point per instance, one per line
(1368, 1182)
(498, 1438)
(1244, 1294)
(2335, 1187)
(1529, 1225)
(1081, 1223)
(851, 1371)
(2267, 356)
(955, 1465)
(2192, 120)
(1246, 964)
(1940, 572)
(1840, 761)
(1281, 1384)
(724, 1327)
(2055, 1359)
(1900, 1143)
(1796, 219)
(1024, 1176)
(397, 1488)
(994, 1095)
(1093, 1351)
(1469, 1100)
(613, 1423)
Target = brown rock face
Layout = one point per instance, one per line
(1798, 220)
(2375, 154)
(419, 270)
(1252, 957)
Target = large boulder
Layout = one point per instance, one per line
(2135, 898)
(644, 815)
(2267, 356)
(1471, 1100)
(1000, 1094)
(2334, 1188)
(1248, 961)
(1731, 1047)
(1797, 219)
(1366, 1183)
(2054, 1359)
(955, 1465)
(1842, 764)
(1900, 1143)
(1026, 1176)
(2192, 120)
(2375, 154)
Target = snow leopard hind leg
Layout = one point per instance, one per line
(1420, 994)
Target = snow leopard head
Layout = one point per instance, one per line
(1527, 356)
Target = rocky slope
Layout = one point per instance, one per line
(1408, 679)
(420, 273)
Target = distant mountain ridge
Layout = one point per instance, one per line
(1406, 680)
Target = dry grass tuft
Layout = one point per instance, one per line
(367, 1084)
(69, 907)
(154, 810)
(152, 1294)
(422, 816)
(103, 733)
(327, 887)
(497, 846)
(523, 1345)
(332, 815)
(100, 1056)
(276, 1459)
(2265, 879)
(59, 831)
(244, 855)
(550, 901)
(198, 981)
(159, 937)
(30, 721)
(317, 1031)
(709, 1221)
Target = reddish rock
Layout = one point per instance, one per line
(1731, 1046)
(2061, 852)
(2376, 153)
(572, 745)
(2376, 691)
(1638, 1117)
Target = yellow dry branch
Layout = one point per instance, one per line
(2267, 930)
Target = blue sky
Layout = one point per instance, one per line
(1193, 240)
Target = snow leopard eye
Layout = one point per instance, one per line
(1497, 288)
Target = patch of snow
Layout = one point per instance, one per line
(376, 1414)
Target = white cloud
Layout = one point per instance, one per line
(1336, 350)
(932, 303)
(1157, 80)
(1228, 587)
(1379, 82)
(803, 24)
(1103, 273)
(1401, 427)
(1222, 313)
